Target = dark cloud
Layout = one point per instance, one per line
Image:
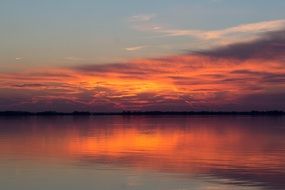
(122, 68)
(264, 77)
(244, 76)
(268, 46)
(29, 85)
(104, 67)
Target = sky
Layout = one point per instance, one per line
(183, 55)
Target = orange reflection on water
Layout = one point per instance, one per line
(183, 149)
(189, 146)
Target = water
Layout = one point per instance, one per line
(142, 152)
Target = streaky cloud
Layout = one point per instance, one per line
(230, 35)
(142, 17)
(135, 48)
(243, 76)
(270, 46)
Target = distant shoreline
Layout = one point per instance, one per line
(77, 113)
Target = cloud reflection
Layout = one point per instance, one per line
(192, 146)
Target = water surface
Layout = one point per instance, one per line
(142, 152)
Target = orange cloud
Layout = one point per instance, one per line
(237, 77)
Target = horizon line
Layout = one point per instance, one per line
(88, 113)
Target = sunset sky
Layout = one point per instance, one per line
(182, 55)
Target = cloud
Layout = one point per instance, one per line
(144, 22)
(240, 33)
(142, 18)
(19, 58)
(224, 78)
(135, 48)
(198, 80)
(251, 28)
(269, 46)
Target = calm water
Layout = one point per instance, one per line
(139, 152)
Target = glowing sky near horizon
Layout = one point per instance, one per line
(142, 55)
